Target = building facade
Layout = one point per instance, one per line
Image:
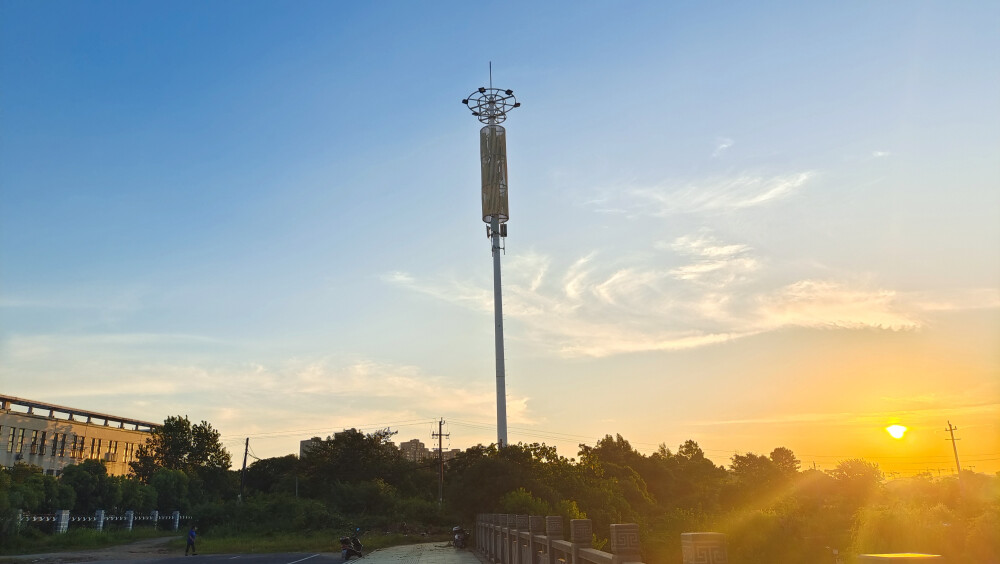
(54, 436)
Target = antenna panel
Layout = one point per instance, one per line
(493, 154)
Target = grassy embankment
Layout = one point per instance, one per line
(34, 542)
(311, 541)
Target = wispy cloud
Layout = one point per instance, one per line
(721, 144)
(819, 303)
(711, 262)
(718, 195)
(304, 393)
(698, 291)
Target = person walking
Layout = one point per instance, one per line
(190, 545)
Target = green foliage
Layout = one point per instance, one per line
(858, 481)
(771, 511)
(273, 475)
(179, 445)
(982, 544)
(521, 502)
(138, 496)
(907, 528)
(171, 488)
(94, 488)
(264, 514)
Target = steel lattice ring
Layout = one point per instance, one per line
(490, 105)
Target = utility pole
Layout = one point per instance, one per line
(951, 430)
(440, 436)
(243, 474)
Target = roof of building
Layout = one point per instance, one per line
(72, 413)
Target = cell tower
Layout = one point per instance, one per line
(490, 106)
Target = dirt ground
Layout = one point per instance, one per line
(139, 550)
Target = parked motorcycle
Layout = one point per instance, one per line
(351, 546)
(459, 537)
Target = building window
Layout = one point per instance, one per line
(62, 446)
(55, 443)
(34, 442)
(10, 440)
(20, 440)
(41, 444)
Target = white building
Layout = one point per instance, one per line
(54, 436)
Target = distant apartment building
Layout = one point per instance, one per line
(54, 436)
(307, 444)
(414, 450)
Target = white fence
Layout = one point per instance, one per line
(61, 520)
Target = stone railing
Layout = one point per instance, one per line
(524, 539)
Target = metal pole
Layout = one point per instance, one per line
(498, 319)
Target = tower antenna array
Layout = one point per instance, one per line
(490, 106)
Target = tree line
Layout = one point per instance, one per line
(771, 509)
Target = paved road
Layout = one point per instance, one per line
(427, 553)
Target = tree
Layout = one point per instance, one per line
(690, 450)
(171, 490)
(178, 445)
(857, 480)
(272, 475)
(94, 488)
(785, 461)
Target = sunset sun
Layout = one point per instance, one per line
(896, 431)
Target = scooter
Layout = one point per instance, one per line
(459, 537)
(351, 546)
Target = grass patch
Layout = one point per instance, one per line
(31, 541)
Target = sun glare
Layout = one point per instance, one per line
(896, 431)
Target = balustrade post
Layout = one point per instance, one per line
(536, 526)
(704, 548)
(625, 543)
(553, 532)
(176, 516)
(99, 519)
(155, 518)
(581, 534)
(62, 521)
(511, 539)
(520, 554)
(129, 519)
(501, 522)
(494, 545)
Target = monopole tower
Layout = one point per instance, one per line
(490, 106)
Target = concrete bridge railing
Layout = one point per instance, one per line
(524, 539)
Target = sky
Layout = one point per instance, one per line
(755, 225)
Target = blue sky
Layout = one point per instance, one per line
(752, 225)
